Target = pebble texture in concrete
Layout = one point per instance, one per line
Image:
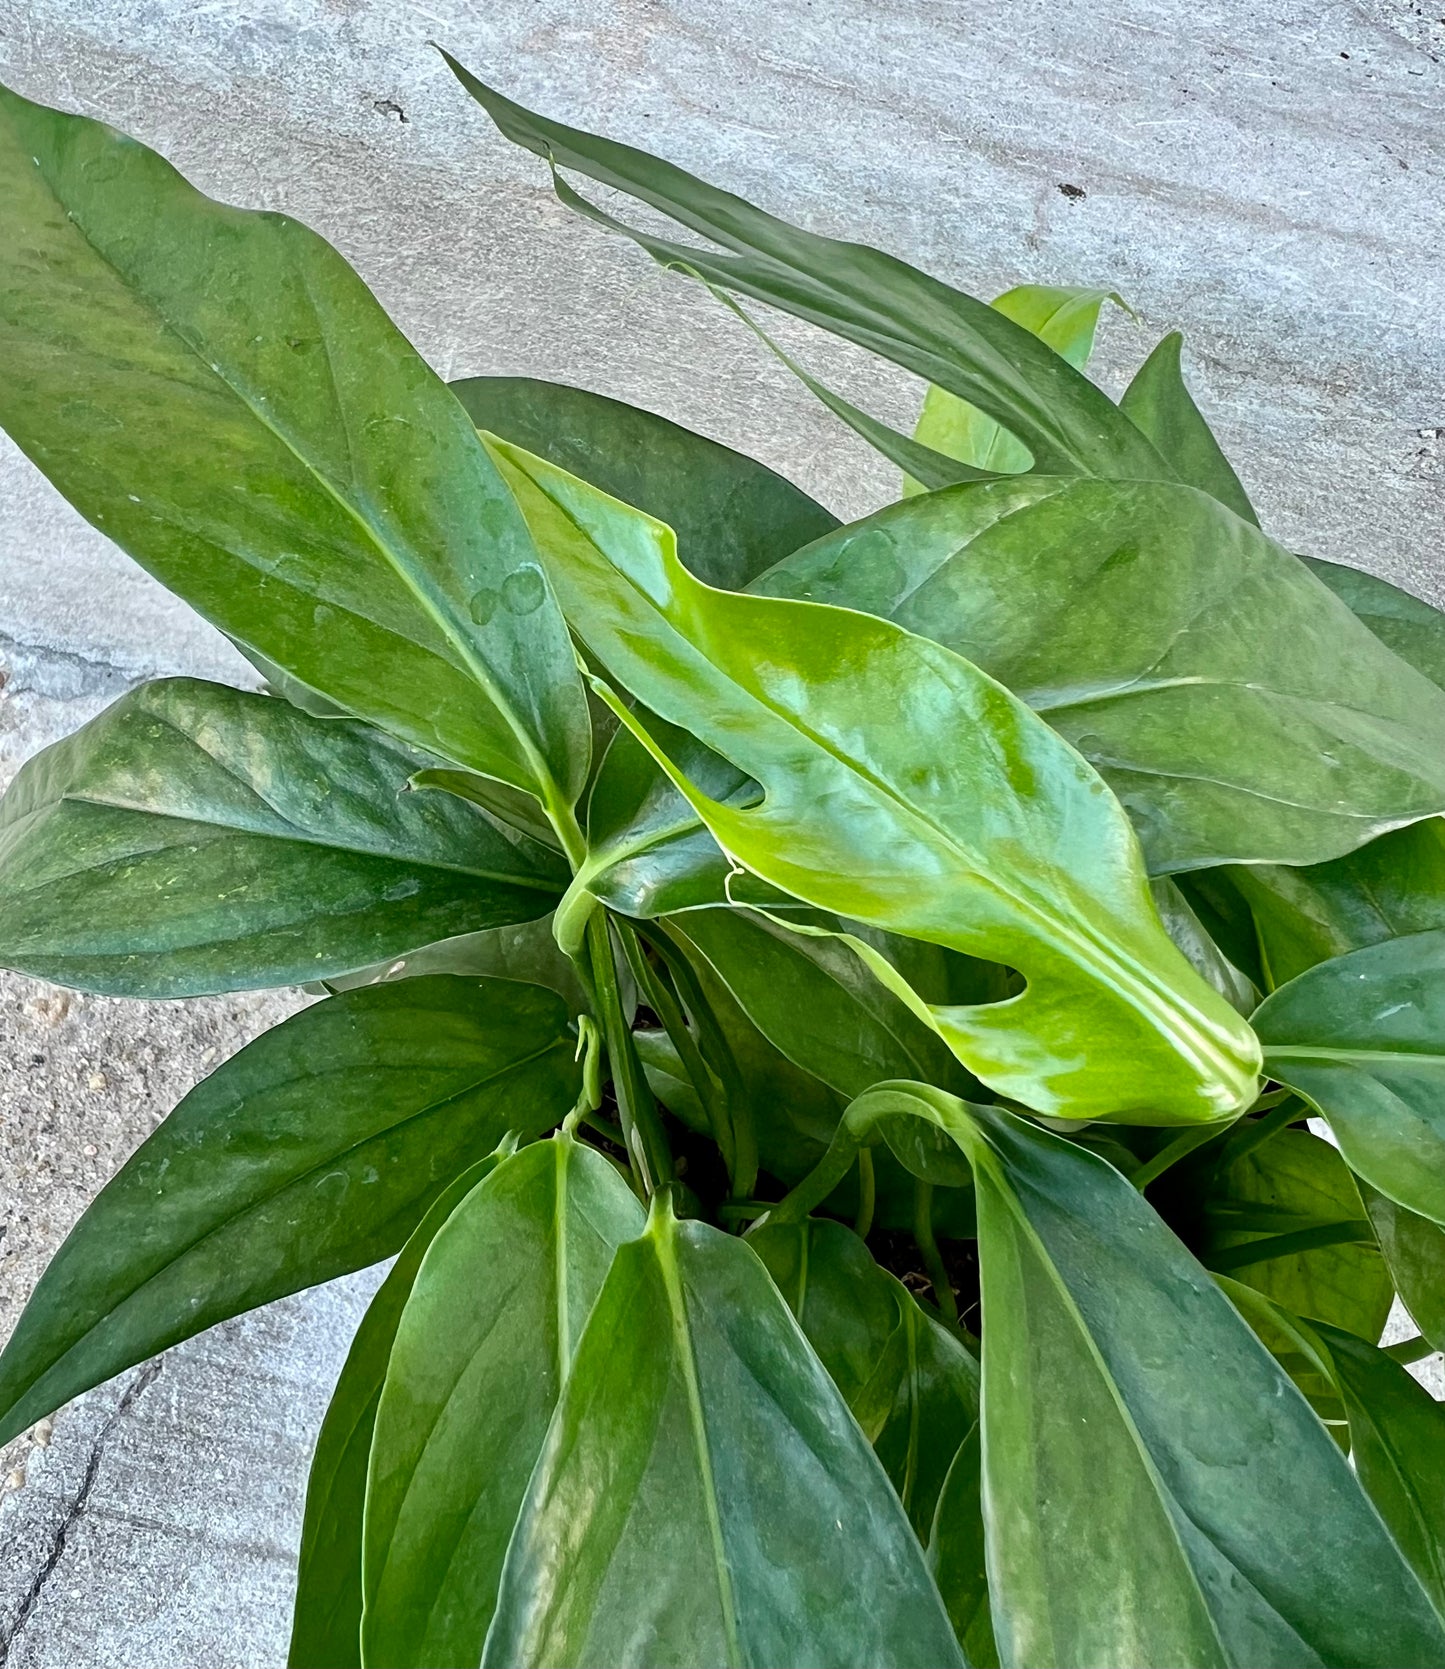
(1271, 181)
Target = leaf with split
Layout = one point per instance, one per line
(704, 1495)
(481, 1355)
(314, 1151)
(1362, 1038)
(195, 839)
(1234, 704)
(906, 789)
(217, 391)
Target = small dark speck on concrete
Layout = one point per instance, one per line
(1073, 192)
(389, 107)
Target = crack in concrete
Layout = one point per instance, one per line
(76, 1510)
(14, 648)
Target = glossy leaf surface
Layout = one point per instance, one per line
(704, 1495)
(957, 1553)
(217, 391)
(1237, 708)
(1362, 1038)
(481, 1354)
(952, 814)
(733, 516)
(194, 839)
(314, 1151)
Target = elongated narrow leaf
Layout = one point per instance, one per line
(906, 789)
(1414, 1251)
(1414, 630)
(957, 1553)
(1066, 320)
(873, 299)
(314, 1151)
(1362, 1038)
(704, 1495)
(733, 517)
(194, 839)
(480, 1358)
(326, 1616)
(218, 392)
(1155, 1490)
(1160, 403)
(1198, 665)
(910, 1384)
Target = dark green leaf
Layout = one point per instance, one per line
(481, 1354)
(1183, 924)
(217, 391)
(1160, 403)
(195, 839)
(942, 335)
(733, 516)
(1414, 1251)
(1414, 630)
(957, 1553)
(1362, 1038)
(715, 1499)
(1237, 708)
(326, 1617)
(314, 1151)
(907, 790)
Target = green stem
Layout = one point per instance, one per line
(1350, 1231)
(866, 1193)
(647, 1144)
(928, 1250)
(1410, 1350)
(1247, 1136)
(1181, 1147)
(820, 1181)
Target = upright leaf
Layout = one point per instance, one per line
(1362, 1038)
(480, 1357)
(906, 789)
(217, 391)
(194, 839)
(314, 1151)
(957, 1553)
(704, 1495)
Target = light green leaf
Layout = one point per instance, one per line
(314, 1151)
(1362, 1038)
(1414, 630)
(1414, 1251)
(952, 814)
(326, 1616)
(1160, 403)
(1236, 707)
(704, 1495)
(481, 1354)
(195, 839)
(217, 391)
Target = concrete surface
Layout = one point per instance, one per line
(1271, 180)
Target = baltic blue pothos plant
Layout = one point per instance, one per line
(827, 1019)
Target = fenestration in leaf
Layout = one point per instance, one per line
(196, 839)
(906, 789)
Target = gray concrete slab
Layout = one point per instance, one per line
(1271, 180)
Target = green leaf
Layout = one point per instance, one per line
(217, 391)
(326, 1617)
(957, 1553)
(1362, 1038)
(1160, 403)
(314, 1151)
(1236, 707)
(1155, 1490)
(1414, 630)
(1066, 320)
(195, 839)
(733, 516)
(481, 1355)
(908, 1382)
(863, 295)
(952, 814)
(715, 1500)
(1183, 924)
(1290, 1182)
(1414, 1251)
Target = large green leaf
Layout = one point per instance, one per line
(217, 391)
(958, 1553)
(909, 1383)
(733, 516)
(326, 1616)
(906, 789)
(314, 1151)
(1362, 1038)
(1155, 1490)
(704, 1495)
(1414, 630)
(1160, 403)
(480, 1358)
(1237, 708)
(196, 839)
(1414, 1251)
(947, 338)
